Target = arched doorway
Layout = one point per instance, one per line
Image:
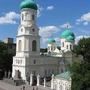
(34, 80)
(17, 75)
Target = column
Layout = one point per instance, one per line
(31, 79)
(38, 80)
(52, 82)
(44, 82)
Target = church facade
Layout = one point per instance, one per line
(28, 58)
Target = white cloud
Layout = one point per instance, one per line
(9, 18)
(50, 7)
(40, 9)
(80, 37)
(85, 19)
(47, 32)
(66, 25)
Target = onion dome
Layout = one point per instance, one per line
(70, 39)
(68, 35)
(28, 4)
(51, 41)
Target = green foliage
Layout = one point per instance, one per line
(5, 57)
(83, 48)
(81, 70)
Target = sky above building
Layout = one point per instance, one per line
(52, 18)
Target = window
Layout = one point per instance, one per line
(26, 16)
(19, 45)
(51, 47)
(21, 30)
(33, 30)
(34, 45)
(67, 46)
(33, 17)
(62, 44)
(70, 46)
(22, 17)
(34, 61)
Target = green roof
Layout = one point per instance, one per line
(28, 4)
(65, 76)
(67, 33)
(51, 41)
(70, 39)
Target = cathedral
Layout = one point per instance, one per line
(28, 59)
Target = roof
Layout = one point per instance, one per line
(65, 75)
(68, 35)
(70, 39)
(51, 41)
(28, 4)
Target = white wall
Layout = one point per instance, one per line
(66, 43)
(61, 84)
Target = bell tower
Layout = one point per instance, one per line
(28, 39)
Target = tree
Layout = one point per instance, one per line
(83, 48)
(81, 70)
(5, 57)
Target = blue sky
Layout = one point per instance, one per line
(53, 17)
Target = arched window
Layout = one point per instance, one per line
(70, 47)
(22, 17)
(34, 62)
(62, 44)
(51, 48)
(34, 45)
(19, 46)
(33, 17)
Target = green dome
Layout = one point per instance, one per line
(28, 4)
(67, 33)
(51, 41)
(70, 39)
